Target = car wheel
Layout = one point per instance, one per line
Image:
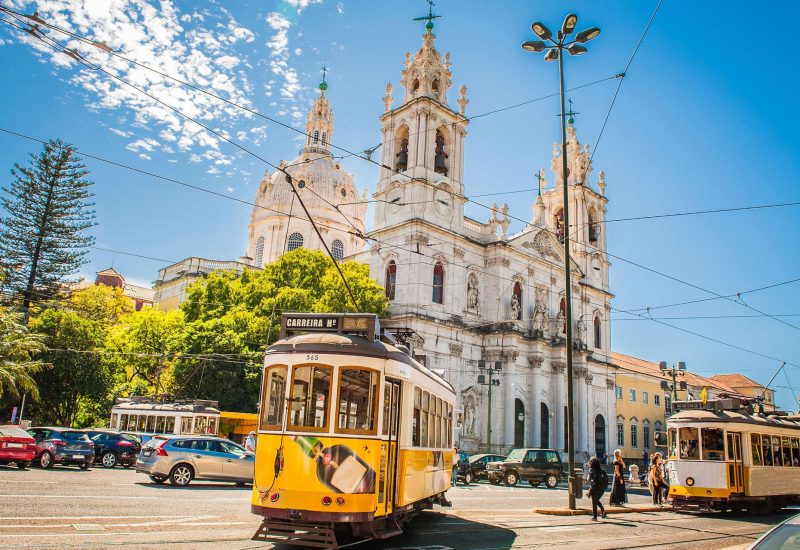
(157, 479)
(467, 478)
(534, 483)
(181, 475)
(46, 460)
(511, 479)
(551, 481)
(84, 465)
(109, 460)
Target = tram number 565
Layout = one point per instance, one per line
(312, 357)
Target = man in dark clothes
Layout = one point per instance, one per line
(598, 481)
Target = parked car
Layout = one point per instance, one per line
(474, 468)
(62, 446)
(17, 446)
(112, 447)
(182, 458)
(784, 536)
(532, 465)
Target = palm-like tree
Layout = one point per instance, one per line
(18, 349)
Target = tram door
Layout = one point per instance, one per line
(735, 470)
(390, 447)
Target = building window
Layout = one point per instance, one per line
(634, 434)
(598, 342)
(516, 298)
(337, 249)
(620, 432)
(316, 136)
(657, 400)
(324, 138)
(438, 283)
(645, 397)
(632, 394)
(544, 426)
(667, 405)
(562, 308)
(295, 242)
(619, 392)
(646, 434)
(391, 279)
(560, 226)
(259, 251)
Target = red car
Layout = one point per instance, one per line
(16, 445)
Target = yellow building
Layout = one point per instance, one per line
(173, 280)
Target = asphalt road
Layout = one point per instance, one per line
(66, 507)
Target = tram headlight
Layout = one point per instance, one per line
(274, 497)
(339, 501)
(689, 481)
(326, 501)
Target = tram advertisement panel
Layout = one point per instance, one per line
(299, 470)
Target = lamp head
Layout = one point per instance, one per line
(551, 55)
(481, 364)
(588, 34)
(576, 49)
(570, 22)
(533, 46)
(662, 365)
(541, 31)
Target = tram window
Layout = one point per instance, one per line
(777, 456)
(161, 423)
(786, 444)
(151, 424)
(755, 446)
(423, 437)
(114, 420)
(311, 387)
(387, 398)
(438, 442)
(672, 443)
(358, 393)
(449, 420)
(689, 443)
(212, 425)
(123, 422)
(274, 396)
(169, 425)
(795, 452)
(766, 450)
(713, 444)
(416, 422)
(142, 427)
(200, 424)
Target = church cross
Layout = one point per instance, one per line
(429, 18)
(571, 114)
(325, 73)
(540, 178)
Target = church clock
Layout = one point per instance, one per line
(443, 202)
(394, 198)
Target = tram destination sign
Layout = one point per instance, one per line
(366, 325)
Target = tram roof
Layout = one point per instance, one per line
(710, 416)
(193, 406)
(349, 344)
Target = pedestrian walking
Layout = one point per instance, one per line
(598, 482)
(645, 461)
(250, 443)
(456, 460)
(618, 496)
(656, 480)
(665, 474)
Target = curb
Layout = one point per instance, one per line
(609, 510)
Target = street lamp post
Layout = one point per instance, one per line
(676, 371)
(487, 378)
(556, 52)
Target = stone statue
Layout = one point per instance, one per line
(516, 308)
(402, 156)
(439, 164)
(601, 182)
(388, 99)
(469, 418)
(462, 100)
(581, 332)
(504, 221)
(472, 292)
(560, 328)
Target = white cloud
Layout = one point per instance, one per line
(302, 4)
(120, 133)
(279, 55)
(229, 189)
(145, 157)
(340, 8)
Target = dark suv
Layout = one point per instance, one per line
(474, 468)
(112, 448)
(62, 446)
(532, 465)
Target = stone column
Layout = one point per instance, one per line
(558, 437)
(534, 434)
(580, 409)
(508, 376)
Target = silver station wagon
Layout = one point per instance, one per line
(182, 458)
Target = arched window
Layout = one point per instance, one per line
(544, 426)
(620, 431)
(646, 434)
(562, 308)
(634, 433)
(295, 242)
(259, 251)
(324, 138)
(560, 225)
(598, 342)
(599, 435)
(391, 279)
(438, 283)
(316, 136)
(667, 404)
(594, 227)
(337, 249)
(516, 301)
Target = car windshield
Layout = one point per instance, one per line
(516, 454)
(74, 436)
(13, 431)
(130, 438)
(785, 537)
(474, 459)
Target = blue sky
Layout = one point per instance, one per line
(704, 120)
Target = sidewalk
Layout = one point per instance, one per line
(587, 510)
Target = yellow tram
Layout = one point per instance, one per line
(354, 435)
(722, 456)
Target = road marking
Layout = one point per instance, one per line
(94, 517)
(26, 482)
(80, 496)
(561, 528)
(88, 527)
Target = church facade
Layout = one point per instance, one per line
(482, 307)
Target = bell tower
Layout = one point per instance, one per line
(422, 154)
(319, 122)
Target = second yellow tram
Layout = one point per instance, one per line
(354, 436)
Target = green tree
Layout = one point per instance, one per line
(231, 320)
(18, 351)
(48, 208)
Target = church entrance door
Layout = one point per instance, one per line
(519, 424)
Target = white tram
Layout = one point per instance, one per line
(722, 456)
(148, 416)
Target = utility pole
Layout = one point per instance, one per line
(487, 378)
(675, 371)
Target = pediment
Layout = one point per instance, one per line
(544, 244)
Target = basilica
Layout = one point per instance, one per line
(482, 307)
